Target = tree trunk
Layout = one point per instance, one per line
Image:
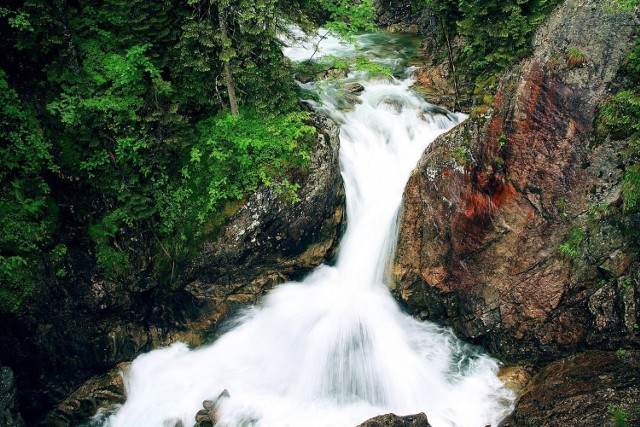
(452, 64)
(228, 77)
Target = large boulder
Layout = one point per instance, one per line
(491, 202)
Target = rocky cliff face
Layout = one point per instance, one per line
(9, 415)
(513, 230)
(402, 16)
(490, 204)
(593, 388)
(268, 241)
(70, 334)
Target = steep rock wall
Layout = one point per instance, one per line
(490, 203)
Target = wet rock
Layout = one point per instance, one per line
(332, 73)
(208, 416)
(582, 390)
(401, 16)
(270, 240)
(103, 391)
(393, 420)
(491, 202)
(305, 77)
(354, 88)
(516, 378)
(9, 414)
(435, 86)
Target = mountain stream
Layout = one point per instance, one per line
(335, 349)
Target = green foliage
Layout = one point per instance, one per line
(628, 283)
(26, 215)
(597, 211)
(619, 117)
(631, 187)
(562, 204)
(619, 416)
(347, 17)
(122, 102)
(502, 141)
(16, 282)
(571, 247)
(632, 63)
(461, 155)
(495, 32)
(373, 69)
(322, 64)
(618, 6)
(253, 149)
(622, 353)
(57, 257)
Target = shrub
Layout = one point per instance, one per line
(571, 247)
(576, 58)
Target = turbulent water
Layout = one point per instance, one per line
(335, 349)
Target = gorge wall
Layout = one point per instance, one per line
(491, 204)
(67, 335)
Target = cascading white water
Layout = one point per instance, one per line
(334, 349)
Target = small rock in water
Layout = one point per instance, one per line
(353, 98)
(173, 423)
(393, 103)
(208, 416)
(354, 88)
(393, 420)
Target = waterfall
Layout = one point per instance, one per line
(335, 349)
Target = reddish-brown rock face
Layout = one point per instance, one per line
(490, 203)
(568, 393)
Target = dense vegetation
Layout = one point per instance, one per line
(122, 119)
(620, 118)
(495, 33)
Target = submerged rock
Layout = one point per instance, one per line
(393, 420)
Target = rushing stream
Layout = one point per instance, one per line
(335, 349)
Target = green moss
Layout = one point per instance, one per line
(562, 204)
(576, 58)
(461, 155)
